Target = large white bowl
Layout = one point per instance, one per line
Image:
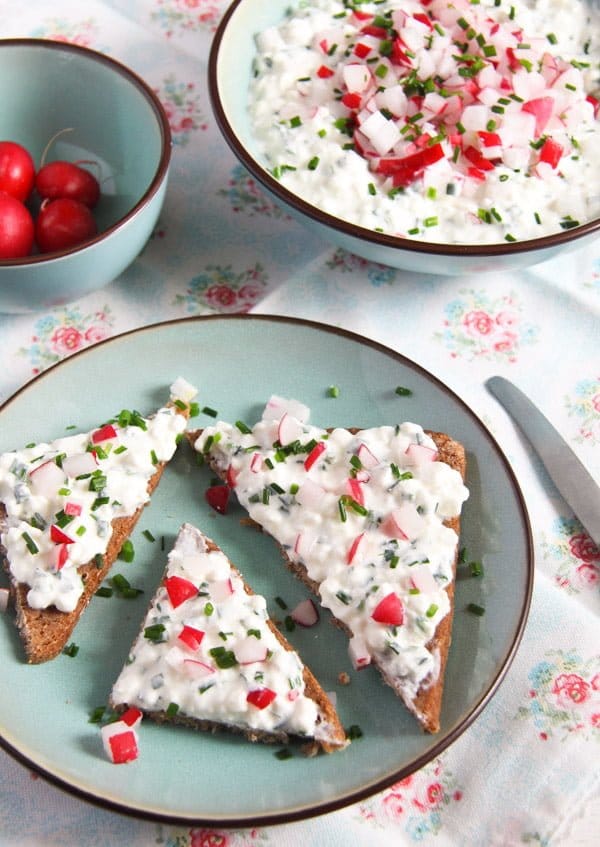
(116, 120)
(229, 73)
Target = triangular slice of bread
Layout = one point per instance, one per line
(68, 506)
(208, 656)
(369, 520)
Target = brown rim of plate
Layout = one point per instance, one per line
(379, 239)
(161, 119)
(267, 819)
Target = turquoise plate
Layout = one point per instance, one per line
(195, 778)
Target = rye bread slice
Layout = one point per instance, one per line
(155, 658)
(427, 703)
(46, 632)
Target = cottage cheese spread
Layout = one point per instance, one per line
(60, 498)
(206, 652)
(364, 514)
(452, 122)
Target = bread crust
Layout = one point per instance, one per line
(426, 706)
(312, 690)
(45, 632)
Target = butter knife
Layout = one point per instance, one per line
(573, 480)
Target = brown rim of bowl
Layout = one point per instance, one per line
(445, 738)
(163, 123)
(351, 230)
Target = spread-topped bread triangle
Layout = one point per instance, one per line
(369, 520)
(208, 656)
(67, 507)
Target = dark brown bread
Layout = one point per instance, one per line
(428, 702)
(46, 632)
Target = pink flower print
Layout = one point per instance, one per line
(506, 342)
(95, 333)
(393, 804)
(220, 296)
(588, 575)
(507, 320)
(595, 720)
(596, 402)
(571, 689)
(595, 683)
(479, 322)
(435, 793)
(208, 838)
(66, 339)
(582, 547)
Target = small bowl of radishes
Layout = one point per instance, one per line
(85, 150)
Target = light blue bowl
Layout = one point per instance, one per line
(230, 68)
(114, 120)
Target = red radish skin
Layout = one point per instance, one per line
(17, 170)
(261, 697)
(16, 228)
(63, 224)
(179, 590)
(217, 496)
(305, 613)
(67, 179)
(389, 611)
(191, 637)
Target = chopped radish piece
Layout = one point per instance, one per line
(231, 476)
(389, 611)
(179, 590)
(195, 669)
(310, 494)
(4, 597)
(261, 697)
(217, 496)
(58, 556)
(358, 652)
(314, 455)
(354, 548)
(47, 478)
(191, 637)
(256, 463)
(324, 72)
(277, 406)
(422, 579)
(80, 464)
(551, 153)
(306, 613)
(220, 589)
(419, 454)
(289, 430)
(355, 489)
(541, 109)
(356, 77)
(132, 717)
(72, 509)
(120, 742)
(303, 544)
(104, 434)
(404, 522)
(60, 537)
(250, 650)
(367, 458)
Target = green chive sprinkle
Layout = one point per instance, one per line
(127, 553)
(71, 650)
(475, 609)
(283, 754)
(402, 391)
(313, 164)
(30, 543)
(147, 534)
(333, 391)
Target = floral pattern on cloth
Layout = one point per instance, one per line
(417, 803)
(206, 837)
(345, 262)
(584, 406)
(481, 327)
(82, 33)
(63, 332)
(575, 556)
(175, 17)
(221, 289)
(245, 195)
(564, 698)
(181, 103)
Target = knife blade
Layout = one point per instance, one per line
(569, 474)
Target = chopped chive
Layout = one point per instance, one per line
(475, 609)
(71, 650)
(208, 609)
(30, 543)
(281, 603)
(283, 754)
(127, 553)
(509, 237)
(313, 164)
(431, 610)
(97, 714)
(333, 391)
(104, 591)
(147, 534)
(172, 710)
(154, 632)
(402, 391)
(353, 732)
(552, 38)
(243, 428)
(296, 121)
